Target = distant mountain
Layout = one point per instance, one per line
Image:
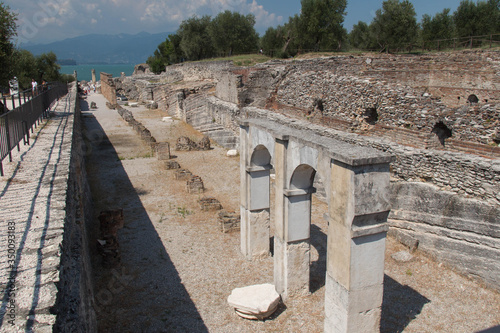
(103, 49)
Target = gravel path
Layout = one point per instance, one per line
(178, 268)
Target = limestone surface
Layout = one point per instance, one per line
(254, 302)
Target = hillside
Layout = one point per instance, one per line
(103, 49)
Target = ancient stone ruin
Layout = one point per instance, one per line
(228, 221)
(333, 124)
(186, 144)
(209, 203)
(195, 185)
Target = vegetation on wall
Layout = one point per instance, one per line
(319, 27)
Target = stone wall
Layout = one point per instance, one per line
(108, 89)
(196, 71)
(75, 297)
(403, 105)
(447, 202)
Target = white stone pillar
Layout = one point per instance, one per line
(254, 205)
(356, 245)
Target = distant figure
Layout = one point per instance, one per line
(34, 86)
(44, 86)
(261, 51)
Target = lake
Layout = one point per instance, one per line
(84, 72)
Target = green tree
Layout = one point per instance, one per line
(233, 33)
(8, 29)
(321, 23)
(195, 41)
(25, 68)
(291, 36)
(395, 25)
(161, 57)
(479, 19)
(440, 26)
(177, 55)
(47, 67)
(360, 37)
(272, 41)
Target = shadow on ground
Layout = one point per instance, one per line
(144, 293)
(400, 305)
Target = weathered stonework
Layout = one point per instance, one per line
(209, 203)
(416, 108)
(228, 221)
(108, 89)
(195, 185)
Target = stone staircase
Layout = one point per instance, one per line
(198, 117)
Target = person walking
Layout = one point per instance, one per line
(34, 86)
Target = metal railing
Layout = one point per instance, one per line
(16, 124)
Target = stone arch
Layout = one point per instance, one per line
(260, 156)
(303, 177)
(356, 181)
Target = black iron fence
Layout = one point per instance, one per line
(16, 123)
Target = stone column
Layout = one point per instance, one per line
(93, 76)
(254, 205)
(292, 246)
(356, 245)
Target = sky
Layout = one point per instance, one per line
(44, 21)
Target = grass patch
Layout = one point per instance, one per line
(242, 60)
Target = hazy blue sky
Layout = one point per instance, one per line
(51, 20)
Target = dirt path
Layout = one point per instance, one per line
(178, 268)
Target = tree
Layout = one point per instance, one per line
(195, 41)
(25, 68)
(7, 32)
(47, 66)
(272, 41)
(359, 37)
(395, 25)
(438, 27)
(161, 57)
(473, 19)
(233, 33)
(321, 23)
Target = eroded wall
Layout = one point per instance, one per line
(411, 95)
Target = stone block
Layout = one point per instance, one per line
(182, 174)
(195, 185)
(209, 203)
(232, 153)
(228, 221)
(254, 302)
(185, 143)
(163, 151)
(169, 165)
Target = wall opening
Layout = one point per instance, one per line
(260, 156)
(472, 99)
(442, 132)
(371, 115)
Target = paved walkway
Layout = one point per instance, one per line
(32, 211)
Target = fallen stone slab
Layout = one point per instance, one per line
(232, 153)
(255, 302)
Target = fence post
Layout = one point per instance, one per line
(27, 131)
(491, 40)
(13, 100)
(8, 137)
(439, 49)
(470, 42)
(19, 97)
